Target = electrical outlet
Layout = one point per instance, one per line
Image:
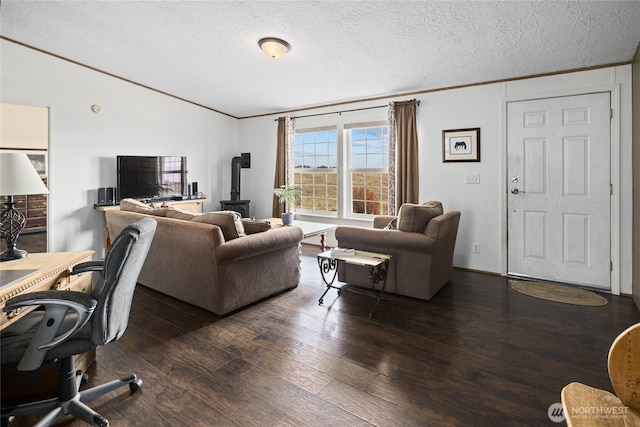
(475, 248)
(472, 179)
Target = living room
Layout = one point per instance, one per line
(134, 119)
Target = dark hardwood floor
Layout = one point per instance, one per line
(477, 354)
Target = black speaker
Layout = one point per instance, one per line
(106, 196)
(194, 188)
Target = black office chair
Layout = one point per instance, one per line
(70, 323)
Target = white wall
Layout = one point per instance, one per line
(482, 205)
(84, 145)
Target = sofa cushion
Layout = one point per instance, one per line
(133, 205)
(252, 226)
(230, 222)
(177, 213)
(414, 218)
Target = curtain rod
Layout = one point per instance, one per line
(343, 111)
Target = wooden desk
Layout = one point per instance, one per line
(53, 274)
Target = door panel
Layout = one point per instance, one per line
(559, 189)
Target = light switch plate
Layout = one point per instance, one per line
(472, 179)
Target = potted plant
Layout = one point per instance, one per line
(291, 197)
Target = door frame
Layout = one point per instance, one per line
(614, 90)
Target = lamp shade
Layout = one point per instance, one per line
(18, 176)
(274, 47)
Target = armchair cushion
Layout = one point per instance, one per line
(414, 218)
(392, 225)
(385, 222)
(230, 222)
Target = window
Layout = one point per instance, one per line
(315, 161)
(369, 169)
(360, 151)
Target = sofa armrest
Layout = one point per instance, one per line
(383, 220)
(258, 244)
(377, 240)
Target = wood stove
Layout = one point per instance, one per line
(235, 204)
(240, 206)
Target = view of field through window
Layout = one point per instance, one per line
(316, 169)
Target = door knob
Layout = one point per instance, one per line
(516, 191)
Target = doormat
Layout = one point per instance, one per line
(559, 293)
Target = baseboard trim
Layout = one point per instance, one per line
(471, 270)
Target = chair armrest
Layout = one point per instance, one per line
(383, 220)
(56, 305)
(387, 241)
(84, 267)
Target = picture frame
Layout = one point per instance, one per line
(38, 159)
(461, 145)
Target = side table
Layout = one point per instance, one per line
(378, 265)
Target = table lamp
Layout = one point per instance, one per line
(17, 177)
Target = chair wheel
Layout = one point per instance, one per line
(101, 421)
(84, 379)
(6, 421)
(136, 385)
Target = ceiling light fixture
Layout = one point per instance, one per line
(274, 47)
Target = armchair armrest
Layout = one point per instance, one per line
(382, 221)
(56, 305)
(85, 267)
(388, 241)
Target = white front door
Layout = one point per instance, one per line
(559, 189)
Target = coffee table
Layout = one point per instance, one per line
(378, 265)
(309, 229)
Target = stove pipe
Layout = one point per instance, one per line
(238, 162)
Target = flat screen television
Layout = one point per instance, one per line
(151, 177)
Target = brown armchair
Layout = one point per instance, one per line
(421, 242)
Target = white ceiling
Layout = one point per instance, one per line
(206, 51)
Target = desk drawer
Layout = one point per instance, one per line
(61, 281)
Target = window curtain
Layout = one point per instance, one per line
(403, 154)
(284, 160)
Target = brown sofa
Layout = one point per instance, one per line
(191, 260)
(421, 240)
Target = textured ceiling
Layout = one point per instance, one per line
(206, 51)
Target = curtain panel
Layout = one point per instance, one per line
(284, 161)
(403, 154)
